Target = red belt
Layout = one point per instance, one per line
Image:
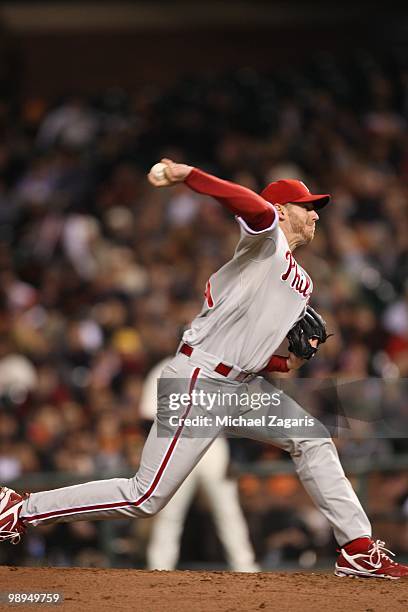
(221, 368)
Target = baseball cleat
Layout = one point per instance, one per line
(11, 526)
(366, 558)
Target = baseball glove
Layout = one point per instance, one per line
(312, 326)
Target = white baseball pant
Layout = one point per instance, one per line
(167, 461)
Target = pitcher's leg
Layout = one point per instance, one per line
(322, 475)
(164, 465)
(316, 461)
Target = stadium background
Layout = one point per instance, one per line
(99, 272)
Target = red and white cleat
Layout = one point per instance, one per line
(366, 558)
(11, 526)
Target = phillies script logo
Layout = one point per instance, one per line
(299, 280)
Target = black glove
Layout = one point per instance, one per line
(312, 326)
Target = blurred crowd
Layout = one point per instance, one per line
(99, 272)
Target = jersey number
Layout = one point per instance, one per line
(208, 295)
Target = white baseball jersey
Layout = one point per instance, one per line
(252, 301)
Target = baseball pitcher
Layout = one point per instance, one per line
(251, 304)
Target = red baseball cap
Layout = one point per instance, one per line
(287, 191)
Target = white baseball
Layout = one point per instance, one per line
(158, 171)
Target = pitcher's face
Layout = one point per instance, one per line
(303, 219)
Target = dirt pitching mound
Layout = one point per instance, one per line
(134, 590)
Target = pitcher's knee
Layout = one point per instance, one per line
(146, 503)
(317, 446)
(151, 506)
(322, 441)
